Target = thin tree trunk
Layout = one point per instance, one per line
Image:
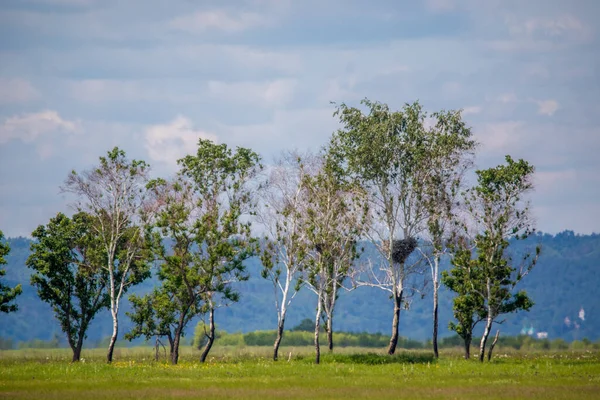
(434, 338)
(317, 328)
(488, 323)
(468, 347)
(486, 333)
(395, 323)
(330, 332)
(113, 338)
(280, 326)
(493, 344)
(210, 336)
(156, 346)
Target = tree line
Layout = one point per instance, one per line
(397, 179)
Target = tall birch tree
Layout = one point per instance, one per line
(114, 194)
(385, 152)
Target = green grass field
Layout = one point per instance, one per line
(349, 373)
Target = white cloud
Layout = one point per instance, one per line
(547, 107)
(499, 138)
(17, 90)
(37, 128)
(28, 127)
(221, 20)
(565, 26)
(274, 93)
(471, 110)
(169, 142)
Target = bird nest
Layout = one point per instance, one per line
(401, 249)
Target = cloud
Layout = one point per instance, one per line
(17, 90)
(499, 138)
(471, 110)
(563, 26)
(547, 107)
(37, 128)
(220, 20)
(169, 142)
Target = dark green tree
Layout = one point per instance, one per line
(7, 294)
(67, 258)
(222, 185)
(467, 306)
(501, 215)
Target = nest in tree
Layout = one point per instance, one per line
(402, 248)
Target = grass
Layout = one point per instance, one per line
(249, 373)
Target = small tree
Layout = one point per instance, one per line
(162, 313)
(67, 260)
(500, 215)
(221, 184)
(114, 194)
(284, 252)
(467, 306)
(7, 294)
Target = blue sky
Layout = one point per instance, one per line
(78, 77)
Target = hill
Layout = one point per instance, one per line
(563, 283)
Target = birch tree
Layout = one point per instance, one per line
(114, 194)
(7, 294)
(385, 151)
(284, 253)
(336, 214)
(450, 155)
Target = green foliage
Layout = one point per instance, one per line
(68, 260)
(202, 212)
(485, 281)
(7, 294)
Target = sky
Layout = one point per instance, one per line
(78, 77)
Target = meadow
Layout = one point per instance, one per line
(248, 373)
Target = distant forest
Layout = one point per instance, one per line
(564, 286)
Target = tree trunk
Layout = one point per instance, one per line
(468, 347)
(486, 333)
(210, 336)
(395, 323)
(317, 328)
(434, 338)
(113, 338)
(330, 332)
(493, 344)
(77, 348)
(175, 347)
(280, 326)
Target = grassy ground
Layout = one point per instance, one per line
(248, 373)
